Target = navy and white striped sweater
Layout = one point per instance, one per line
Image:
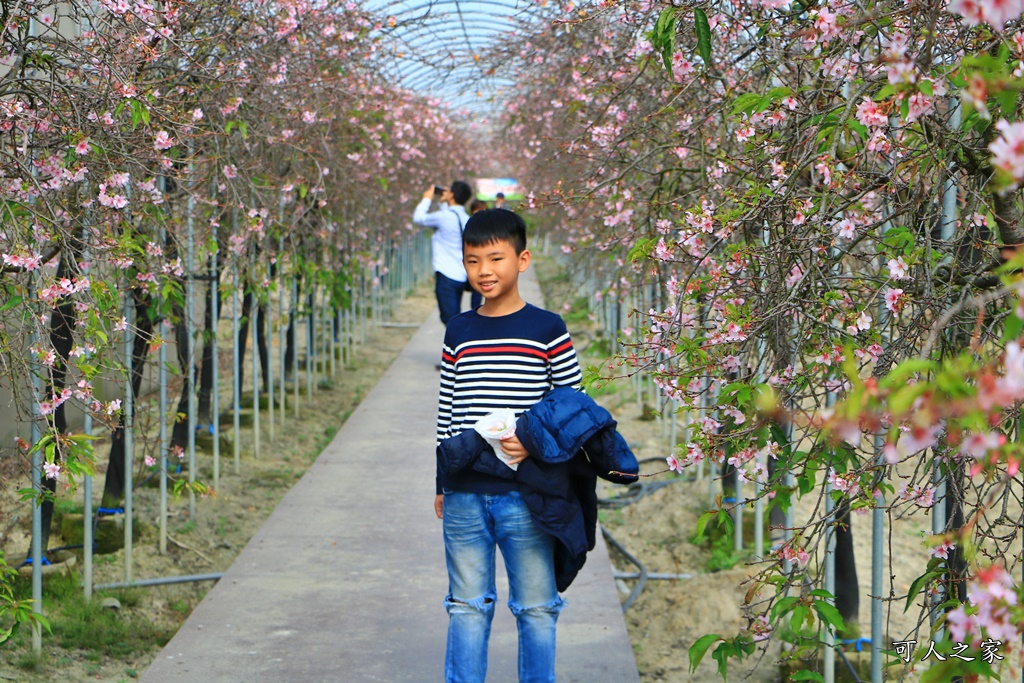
(488, 363)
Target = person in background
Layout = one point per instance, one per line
(447, 222)
(499, 200)
(477, 206)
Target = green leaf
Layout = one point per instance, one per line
(721, 655)
(663, 37)
(783, 606)
(746, 103)
(1011, 327)
(798, 616)
(917, 586)
(642, 249)
(925, 87)
(886, 92)
(807, 675)
(11, 303)
(702, 523)
(1008, 102)
(700, 21)
(698, 649)
(829, 614)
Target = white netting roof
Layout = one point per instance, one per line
(442, 45)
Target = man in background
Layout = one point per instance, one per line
(447, 222)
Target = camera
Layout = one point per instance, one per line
(438, 191)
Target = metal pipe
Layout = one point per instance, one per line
(237, 366)
(215, 356)
(828, 659)
(254, 323)
(294, 325)
(163, 581)
(877, 578)
(129, 444)
(664, 577)
(190, 351)
(270, 366)
(87, 537)
(310, 344)
(947, 229)
(281, 327)
(37, 484)
(164, 446)
(947, 226)
(35, 434)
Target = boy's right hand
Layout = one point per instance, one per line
(439, 506)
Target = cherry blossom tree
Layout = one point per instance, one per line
(823, 200)
(143, 142)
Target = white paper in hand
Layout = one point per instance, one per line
(496, 426)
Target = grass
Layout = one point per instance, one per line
(88, 627)
(723, 556)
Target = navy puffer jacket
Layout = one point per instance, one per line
(571, 441)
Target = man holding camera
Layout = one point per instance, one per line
(450, 279)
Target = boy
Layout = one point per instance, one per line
(505, 354)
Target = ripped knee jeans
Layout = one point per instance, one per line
(474, 524)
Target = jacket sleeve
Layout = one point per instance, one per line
(427, 220)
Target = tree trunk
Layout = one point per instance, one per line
(113, 486)
(62, 323)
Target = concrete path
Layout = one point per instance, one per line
(345, 582)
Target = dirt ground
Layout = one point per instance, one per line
(667, 617)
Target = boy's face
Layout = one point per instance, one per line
(494, 268)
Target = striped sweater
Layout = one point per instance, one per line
(489, 363)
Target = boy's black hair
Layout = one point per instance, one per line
(495, 225)
(461, 192)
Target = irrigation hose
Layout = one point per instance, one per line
(641, 581)
(853, 672)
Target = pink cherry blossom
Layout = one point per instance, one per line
(163, 141)
(894, 299)
(897, 268)
(1008, 149)
(943, 549)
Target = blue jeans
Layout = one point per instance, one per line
(473, 524)
(449, 296)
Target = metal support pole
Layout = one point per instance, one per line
(270, 366)
(190, 353)
(87, 536)
(828, 659)
(281, 329)
(37, 510)
(254, 323)
(877, 577)
(237, 366)
(215, 356)
(129, 444)
(310, 345)
(164, 444)
(294, 320)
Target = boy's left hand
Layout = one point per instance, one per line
(514, 449)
